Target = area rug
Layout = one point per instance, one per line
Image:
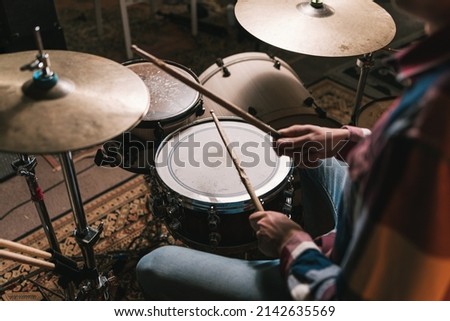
(336, 99)
(129, 232)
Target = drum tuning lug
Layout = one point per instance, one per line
(289, 193)
(213, 222)
(277, 64)
(175, 224)
(287, 209)
(213, 219)
(102, 159)
(309, 102)
(200, 110)
(214, 239)
(156, 207)
(172, 210)
(252, 111)
(225, 71)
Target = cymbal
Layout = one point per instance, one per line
(340, 28)
(94, 100)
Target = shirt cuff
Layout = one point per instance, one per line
(294, 247)
(357, 133)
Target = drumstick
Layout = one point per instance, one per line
(27, 260)
(24, 248)
(194, 85)
(244, 178)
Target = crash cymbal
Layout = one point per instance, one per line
(94, 100)
(337, 29)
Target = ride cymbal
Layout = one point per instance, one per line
(334, 28)
(94, 99)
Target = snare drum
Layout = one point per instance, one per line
(265, 86)
(372, 111)
(198, 191)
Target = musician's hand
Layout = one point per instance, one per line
(308, 143)
(273, 230)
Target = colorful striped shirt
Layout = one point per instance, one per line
(393, 242)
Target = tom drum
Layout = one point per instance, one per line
(172, 105)
(263, 85)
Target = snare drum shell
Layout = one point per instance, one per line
(235, 231)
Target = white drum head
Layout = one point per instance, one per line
(194, 162)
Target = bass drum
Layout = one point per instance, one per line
(372, 111)
(264, 86)
(198, 191)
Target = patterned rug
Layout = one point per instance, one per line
(336, 99)
(129, 232)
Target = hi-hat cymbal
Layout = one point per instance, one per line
(340, 28)
(94, 99)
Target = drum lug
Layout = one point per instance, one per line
(200, 109)
(156, 206)
(277, 64)
(213, 219)
(252, 111)
(175, 224)
(214, 239)
(172, 210)
(225, 72)
(289, 197)
(213, 224)
(156, 202)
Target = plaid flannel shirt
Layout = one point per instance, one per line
(393, 242)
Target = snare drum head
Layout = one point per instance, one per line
(194, 162)
(171, 99)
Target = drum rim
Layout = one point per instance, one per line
(373, 102)
(244, 200)
(186, 112)
(287, 113)
(241, 57)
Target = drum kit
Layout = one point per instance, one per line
(152, 120)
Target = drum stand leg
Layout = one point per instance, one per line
(365, 64)
(85, 236)
(25, 167)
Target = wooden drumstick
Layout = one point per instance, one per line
(27, 260)
(244, 178)
(194, 85)
(24, 248)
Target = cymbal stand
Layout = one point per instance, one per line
(43, 80)
(365, 63)
(85, 235)
(25, 166)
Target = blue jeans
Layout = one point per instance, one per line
(179, 273)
